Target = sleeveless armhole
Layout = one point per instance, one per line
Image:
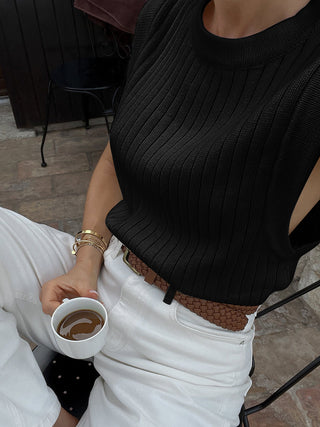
(298, 155)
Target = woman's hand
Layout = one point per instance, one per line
(80, 281)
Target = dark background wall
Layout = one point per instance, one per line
(35, 37)
(3, 88)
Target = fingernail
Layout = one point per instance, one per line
(93, 292)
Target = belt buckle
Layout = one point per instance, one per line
(126, 261)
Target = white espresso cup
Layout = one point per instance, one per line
(80, 349)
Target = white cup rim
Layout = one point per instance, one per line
(77, 342)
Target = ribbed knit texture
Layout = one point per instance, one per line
(212, 142)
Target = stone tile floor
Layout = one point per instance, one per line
(8, 128)
(286, 339)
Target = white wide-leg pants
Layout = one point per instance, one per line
(162, 365)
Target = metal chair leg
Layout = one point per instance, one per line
(104, 111)
(292, 381)
(107, 123)
(245, 421)
(85, 103)
(292, 297)
(44, 164)
(243, 418)
(115, 101)
(253, 366)
(289, 384)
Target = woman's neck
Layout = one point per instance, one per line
(242, 18)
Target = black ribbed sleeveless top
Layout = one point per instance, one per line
(213, 141)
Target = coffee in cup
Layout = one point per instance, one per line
(80, 327)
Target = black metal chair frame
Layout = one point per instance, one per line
(245, 412)
(120, 51)
(84, 92)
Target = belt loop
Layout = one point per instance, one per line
(171, 291)
(116, 246)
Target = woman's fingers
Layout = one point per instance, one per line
(50, 306)
(53, 293)
(49, 298)
(92, 294)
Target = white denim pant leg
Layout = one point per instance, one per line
(30, 254)
(163, 365)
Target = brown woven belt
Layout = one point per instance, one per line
(228, 316)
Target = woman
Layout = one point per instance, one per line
(210, 180)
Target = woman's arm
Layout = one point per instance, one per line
(103, 194)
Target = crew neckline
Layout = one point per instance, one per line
(257, 48)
